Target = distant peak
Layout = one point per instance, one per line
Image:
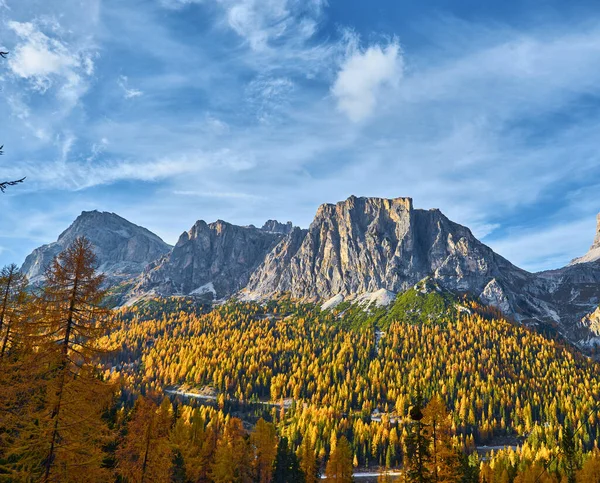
(597, 238)
(273, 226)
(95, 214)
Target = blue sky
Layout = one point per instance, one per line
(169, 111)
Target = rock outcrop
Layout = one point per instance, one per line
(215, 259)
(122, 249)
(273, 226)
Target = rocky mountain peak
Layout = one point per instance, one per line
(363, 245)
(355, 204)
(273, 226)
(122, 248)
(214, 259)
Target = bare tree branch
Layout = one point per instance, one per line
(6, 184)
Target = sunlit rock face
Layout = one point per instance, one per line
(363, 245)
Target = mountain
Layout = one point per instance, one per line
(363, 245)
(122, 249)
(573, 293)
(358, 250)
(215, 259)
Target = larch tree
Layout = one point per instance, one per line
(64, 435)
(188, 439)
(13, 305)
(233, 460)
(264, 442)
(17, 369)
(444, 461)
(145, 453)
(339, 465)
(590, 471)
(308, 461)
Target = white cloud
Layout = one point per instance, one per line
(364, 77)
(128, 92)
(47, 62)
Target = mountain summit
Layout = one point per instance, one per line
(362, 245)
(122, 249)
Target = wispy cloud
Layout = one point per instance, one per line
(219, 195)
(262, 22)
(248, 110)
(128, 92)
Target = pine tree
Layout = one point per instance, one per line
(569, 453)
(287, 467)
(339, 465)
(417, 443)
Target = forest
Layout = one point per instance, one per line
(436, 388)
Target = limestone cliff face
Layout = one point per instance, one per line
(215, 258)
(122, 249)
(364, 245)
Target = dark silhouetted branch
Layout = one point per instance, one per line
(6, 184)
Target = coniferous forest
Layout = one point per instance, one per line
(436, 388)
